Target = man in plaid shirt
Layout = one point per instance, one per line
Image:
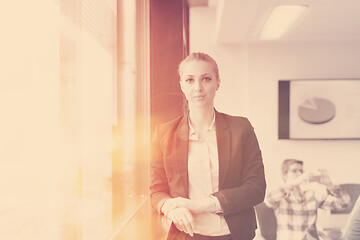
(296, 202)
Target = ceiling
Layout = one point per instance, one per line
(240, 21)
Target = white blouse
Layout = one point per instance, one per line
(203, 171)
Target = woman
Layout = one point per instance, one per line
(206, 169)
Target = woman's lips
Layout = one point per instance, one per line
(199, 96)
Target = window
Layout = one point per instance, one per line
(73, 144)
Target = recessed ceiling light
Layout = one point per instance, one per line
(280, 20)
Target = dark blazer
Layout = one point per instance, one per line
(241, 171)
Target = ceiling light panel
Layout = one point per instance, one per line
(280, 20)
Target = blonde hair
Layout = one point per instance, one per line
(199, 56)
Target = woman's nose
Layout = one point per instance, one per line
(198, 85)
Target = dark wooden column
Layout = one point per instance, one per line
(168, 46)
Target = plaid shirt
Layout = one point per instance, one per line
(296, 210)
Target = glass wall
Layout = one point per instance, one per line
(74, 125)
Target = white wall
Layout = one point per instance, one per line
(270, 62)
(250, 74)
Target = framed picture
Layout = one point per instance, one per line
(319, 109)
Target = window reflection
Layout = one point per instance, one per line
(65, 171)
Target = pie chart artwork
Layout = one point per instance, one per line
(316, 110)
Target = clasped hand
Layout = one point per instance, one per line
(182, 219)
(179, 210)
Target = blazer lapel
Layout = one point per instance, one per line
(181, 145)
(223, 145)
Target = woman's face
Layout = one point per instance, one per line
(199, 83)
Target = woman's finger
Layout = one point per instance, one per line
(186, 221)
(183, 220)
(189, 222)
(188, 227)
(178, 226)
(182, 226)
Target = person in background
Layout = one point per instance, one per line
(352, 229)
(296, 202)
(206, 170)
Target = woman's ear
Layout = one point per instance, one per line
(181, 86)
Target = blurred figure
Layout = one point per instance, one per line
(296, 202)
(206, 168)
(352, 230)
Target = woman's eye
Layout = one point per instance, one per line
(189, 80)
(206, 79)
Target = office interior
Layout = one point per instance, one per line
(83, 84)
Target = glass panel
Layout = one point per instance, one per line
(131, 134)
(73, 146)
(30, 153)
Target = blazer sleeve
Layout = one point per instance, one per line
(159, 188)
(251, 191)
